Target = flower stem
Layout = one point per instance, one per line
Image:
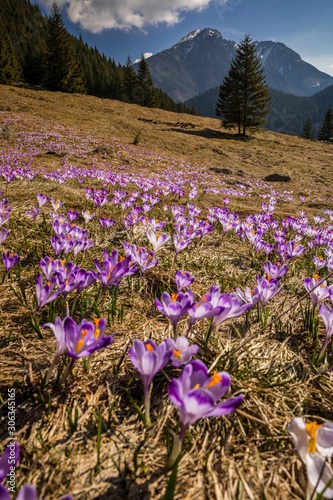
(176, 449)
(50, 370)
(147, 392)
(67, 371)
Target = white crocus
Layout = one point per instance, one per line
(314, 443)
(157, 240)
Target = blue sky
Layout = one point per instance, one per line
(131, 27)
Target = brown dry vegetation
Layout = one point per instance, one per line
(247, 455)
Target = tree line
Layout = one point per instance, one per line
(39, 50)
(325, 132)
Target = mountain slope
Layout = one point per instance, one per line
(201, 60)
(288, 112)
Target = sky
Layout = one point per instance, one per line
(122, 28)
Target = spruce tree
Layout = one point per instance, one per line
(9, 67)
(146, 95)
(244, 97)
(326, 131)
(130, 82)
(62, 70)
(307, 132)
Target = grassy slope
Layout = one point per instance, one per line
(240, 456)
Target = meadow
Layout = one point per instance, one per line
(164, 324)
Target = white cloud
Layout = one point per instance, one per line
(146, 56)
(97, 15)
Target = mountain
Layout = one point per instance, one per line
(288, 113)
(201, 60)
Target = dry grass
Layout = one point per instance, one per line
(246, 455)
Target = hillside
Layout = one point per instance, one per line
(104, 206)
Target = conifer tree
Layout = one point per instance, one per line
(9, 67)
(307, 132)
(146, 95)
(62, 70)
(326, 131)
(130, 82)
(244, 97)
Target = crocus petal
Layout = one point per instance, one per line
(226, 407)
(174, 391)
(28, 492)
(325, 440)
(317, 466)
(299, 434)
(4, 493)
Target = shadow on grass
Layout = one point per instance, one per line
(209, 133)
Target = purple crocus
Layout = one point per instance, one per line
(275, 271)
(87, 216)
(267, 289)
(45, 293)
(157, 240)
(175, 306)
(33, 213)
(86, 338)
(9, 260)
(112, 271)
(320, 293)
(27, 492)
(72, 215)
(204, 308)
(9, 459)
(182, 352)
(149, 359)
(195, 394)
(42, 200)
(231, 306)
(248, 296)
(4, 235)
(326, 313)
(106, 222)
(183, 280)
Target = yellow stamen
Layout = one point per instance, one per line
(269, 277)
(316, 277)
(149, 347)
(177, 353)
(62, 262)
(214, 380)
(80, 342)
(111, 269)
(196, 386)
(201, 301)
(312, 432)
(98, 331)
(174, 297)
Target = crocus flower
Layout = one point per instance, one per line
(86, 338)
(106, 222)
(44, 293)
(183, 280)
(112, 271)
(326, 313)
(9, 260)
(4, 235)
(9, 459)
(267, 289)
(157, 240)
(314, 443)
(202, 309)
(42, 200)
(87, 216)
(56, 204)
(72, 215)
(231, 306)
(275, 271)
(248, 296)
(182, 352)
(27, 492)
(320, 293)
(59, 333)
(195, 394)
(149, 359)
(175, 306)
(3, 218)
(33, 213)
(180, 243)
(319, 262)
